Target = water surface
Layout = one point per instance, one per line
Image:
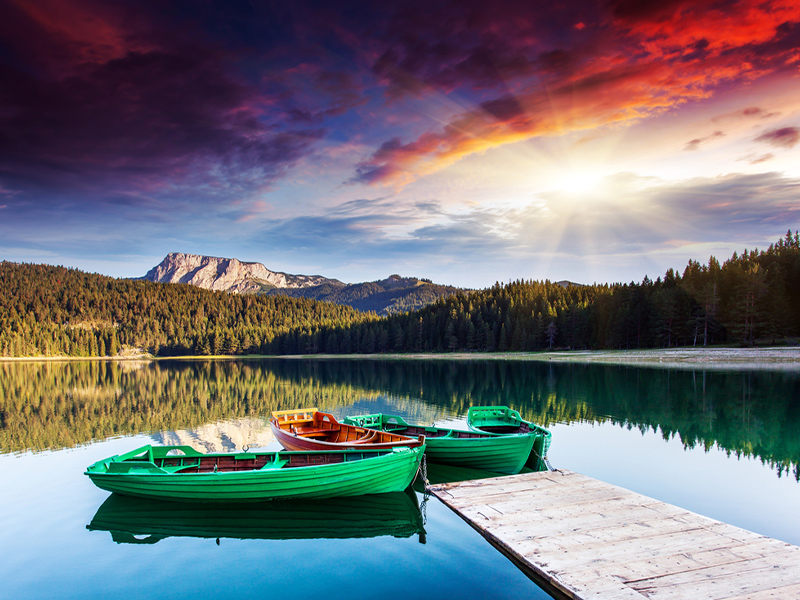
(723, 444)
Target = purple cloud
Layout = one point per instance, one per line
(785, 137)
(751, 112)
(695, 143)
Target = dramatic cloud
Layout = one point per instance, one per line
(638, 61)
(131, 125)
(128, 95)
(785, 137)
(141, 108)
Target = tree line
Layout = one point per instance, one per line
(750, 298)
(55, 311)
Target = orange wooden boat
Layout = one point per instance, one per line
(310, 429)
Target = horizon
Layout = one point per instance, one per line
(677, 271)
(451, 141)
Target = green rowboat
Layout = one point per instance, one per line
(505, 454)
(183, 473)
(502, 420)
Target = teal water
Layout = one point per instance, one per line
(723, 444)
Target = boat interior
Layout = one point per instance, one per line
(178, 460)
(521, 428)
(395, 424)
(324, 427)
(434, 432)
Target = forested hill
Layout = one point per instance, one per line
(388, 296)
(748, 299)
(54, 311)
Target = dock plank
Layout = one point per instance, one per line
(586, 539)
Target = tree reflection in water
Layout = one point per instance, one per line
(63, 404)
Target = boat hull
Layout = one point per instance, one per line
(506, 454)
(359, 473)
(502, 454)
(501, 420)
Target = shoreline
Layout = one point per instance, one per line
(781, 358)
(785, 358)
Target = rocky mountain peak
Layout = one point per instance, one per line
(228, 274)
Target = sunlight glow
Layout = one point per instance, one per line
(577, 181)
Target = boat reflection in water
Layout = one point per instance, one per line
(144, 521)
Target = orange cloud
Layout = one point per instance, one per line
(603, 98)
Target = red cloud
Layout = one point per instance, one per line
(61, 35)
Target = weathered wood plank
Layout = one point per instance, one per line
(578, 516)
(669, 562)
(587, 539)
(507, 485)
(787, 592)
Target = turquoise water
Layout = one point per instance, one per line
(723, 444)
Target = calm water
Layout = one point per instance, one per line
(723, 444)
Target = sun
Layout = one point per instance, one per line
(575, 181)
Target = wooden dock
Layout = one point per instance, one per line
(584, 539)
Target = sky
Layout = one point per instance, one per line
(465, 142)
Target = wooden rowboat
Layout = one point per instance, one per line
(505, 454)
(310, 429)
(183, 473)
(502, 420)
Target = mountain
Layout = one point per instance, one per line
(391, 295)
(387, 296)
(228, 274)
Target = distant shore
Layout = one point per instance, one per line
(773, 358)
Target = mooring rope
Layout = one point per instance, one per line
(423, 507)
(544, 460)
(422, 472)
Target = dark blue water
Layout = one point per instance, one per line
(720, 444)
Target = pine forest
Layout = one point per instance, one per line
(749, 299)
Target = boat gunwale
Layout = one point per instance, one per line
(478, 434)
(276, 455)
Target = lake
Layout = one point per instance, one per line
(724, 444)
